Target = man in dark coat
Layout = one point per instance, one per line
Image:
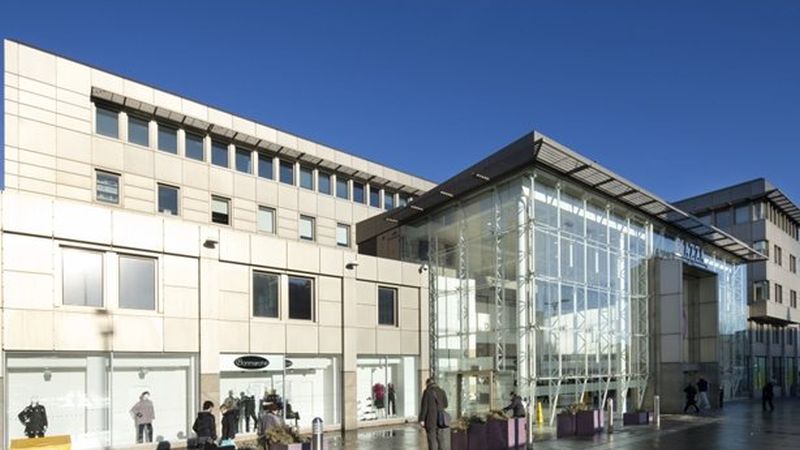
(767, 394)
(516, 406)
(691, 398)
(434, 400)
(205, 426)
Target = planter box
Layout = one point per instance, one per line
(476, 436)
(458, 440)
(303, 446)
(636, 418)
(588, 423)
(497, 434)
(565, 425)
(517, 432)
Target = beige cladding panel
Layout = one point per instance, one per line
(28, 330)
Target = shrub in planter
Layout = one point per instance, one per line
(636, 418)
(476, 433)
(285, 438)
(565, 420)
(497, 430)
(458, 434)
(588, 422)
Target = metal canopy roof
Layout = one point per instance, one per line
(535, 148)
(782, 201)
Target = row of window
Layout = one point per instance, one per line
(780, 335)
(751, 212)
(84, 274)
(762, 291)
(107, 188)
(762, 246)
(307, 177)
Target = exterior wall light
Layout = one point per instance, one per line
(351, 265)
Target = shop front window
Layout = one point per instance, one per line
(387, 387)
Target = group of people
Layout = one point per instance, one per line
(234, 410)
(697, 395)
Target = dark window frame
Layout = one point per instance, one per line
(97, 174)
(196, 138)
(241, 151)
(177, 199)
(277, 306)
(292, 291)
(227, 201)
(162, 128)
(383, 320)
(216, 147)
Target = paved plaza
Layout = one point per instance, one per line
(740, 426)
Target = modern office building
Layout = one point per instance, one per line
(552, 276)
(152, 243)
(761, 215)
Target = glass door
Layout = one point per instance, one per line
(475, 392)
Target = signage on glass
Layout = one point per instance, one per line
(251, 362)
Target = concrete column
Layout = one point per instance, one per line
(349, 352)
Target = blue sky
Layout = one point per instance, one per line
(679, 97)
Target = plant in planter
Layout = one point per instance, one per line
(285, 438)
(497, 430)
(476, 433)
(566, 420)
(638, 417)
(458, 434)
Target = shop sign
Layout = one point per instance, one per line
(251, 362)
(693, 253)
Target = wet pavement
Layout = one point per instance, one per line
(740, 426)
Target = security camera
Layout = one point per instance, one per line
(351, 265)
(423, 268)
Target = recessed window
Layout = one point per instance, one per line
(343, 235)
(342, 190)
(266, 219)
(742, 214)
(761, 290)
(244, 160)
(168, 199)
(778, 255)
(402, 200)
(759, 212)
(287, 172)
(723, 218)
(374, 197)
(761, 247)
(792, 264)
(265, 166)
(167, 139)
(778, 293)
(138, 131)
(194, 147)
(358, 192)
(265, 294)
(793, 299)
(301, 298)
(388, 200)
(324, 182)
(307, 178)
(387, 306)
(219, 154)
(220, 208)
(82, 272)
(107, 187)
(307, 228)
(107, 122)
(137, 282)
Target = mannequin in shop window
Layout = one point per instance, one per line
(272, 398)
(391, 398)
(247, 410)
(230, 419)
(34, 417)
(378, 396)
(143, 415)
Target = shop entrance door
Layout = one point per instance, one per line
(475, 392)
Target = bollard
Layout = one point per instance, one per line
(657, 411)
(316, 434)
(610, 415)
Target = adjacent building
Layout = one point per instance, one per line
(761, 215)
(152, 243)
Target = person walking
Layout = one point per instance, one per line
(516, 406)
(702, 393)
(268, 420)
(691, 400)
(205, 426)
(767, 394)
(434, 401)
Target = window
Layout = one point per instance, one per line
(265, 294)
(374, 197)
(342, 188)
(776, 338)
(219, 154)
(402, 200)
(82, 272)
(167, 139)
(266, 219)
(307, 178)
(168, 199)
(244, 160)
(138, 131)
(358, 192)
(792, 264)
(194, 147)
(761, 290)
(137, 282)
(307, 228)
(107, 187)
(742, 214)
(758, 211)
(388, 200)
(705, 218)
(343, 235)
(324, 182)
(301, 299)
(759, 332)
(724, 218)
(778, 256)
(265, 166)
(793, 298)
(387, 306)
(761, 247)
(219, 210)
(107, 122)
(287, 172)
(778, 293)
